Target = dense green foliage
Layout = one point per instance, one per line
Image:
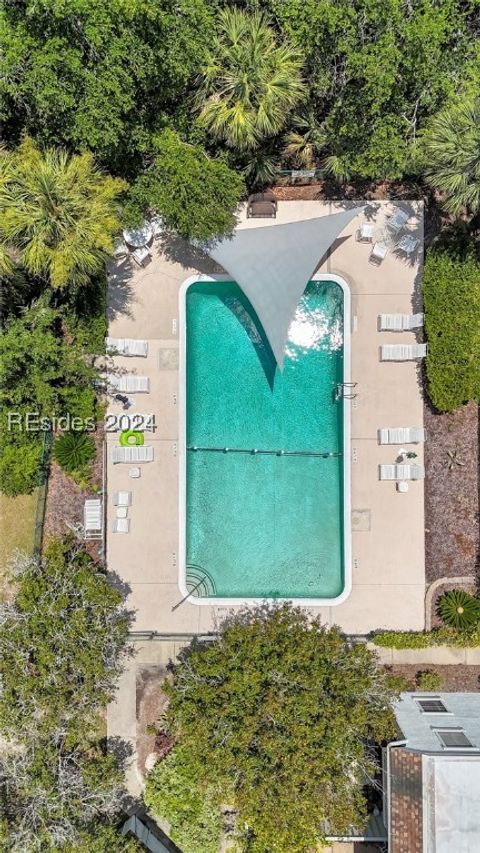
(459, 609)
(41, 376)
(249, 82)
(451, 294)
(452, 154)
(98, 76)
(62, 644)
(74, 452)
(429, 680)
(277, 714)
(174, 790)
(58, 214)
(196, 194)
(424, 639)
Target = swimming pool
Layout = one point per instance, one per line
(265, 474)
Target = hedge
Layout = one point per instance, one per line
(451, 294)
(424, 639)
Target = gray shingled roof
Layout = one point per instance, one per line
(273, 264)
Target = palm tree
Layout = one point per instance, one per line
(305, 142)
(249, 83)
(58, 213)
(452, 155)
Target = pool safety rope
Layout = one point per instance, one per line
(256, 451)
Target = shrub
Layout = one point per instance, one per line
(74, 452)
(429, 680)
(451, 293)
(423, 639)
(459, 609)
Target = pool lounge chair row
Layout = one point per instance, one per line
(401, 472)
(142, 453)
(402, 435)
(399, 322)
(127, 346)
(402, 352)
(129, 383)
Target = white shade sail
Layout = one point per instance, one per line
(273, 264)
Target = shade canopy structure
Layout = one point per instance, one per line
(273, 264)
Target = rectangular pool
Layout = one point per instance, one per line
(264, 497)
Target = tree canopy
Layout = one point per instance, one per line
(58, 213)
(277, 715)
(62, 646)
(197, 195)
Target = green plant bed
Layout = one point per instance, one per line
(131, 438)
(424, 639)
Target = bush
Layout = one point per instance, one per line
(424, 639)
(451, 293)
(74, 452)
(429, 680)
(459, 609)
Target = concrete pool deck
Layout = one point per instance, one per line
(387, 527)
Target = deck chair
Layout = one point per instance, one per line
(408, 244)
(141, 256)
(122, 498)
(121, 525)
(401, 472)
(402, 435)
(127, 346)
(142, 453)
(92, 518)
(400, 322)
(365, 233)
(402, 352)
(397, 220)
(129, 383)
(378, 253)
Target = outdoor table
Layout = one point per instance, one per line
(121, 511)
(139, 237)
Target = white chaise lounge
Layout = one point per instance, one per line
(402, 435)
(127, 346)
(397, 220)
(92, 518)
(130, 383)
(402, 352)
(401, 472)
(400, 322)
(142, 453)
(121, 525)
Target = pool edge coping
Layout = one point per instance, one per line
(347, 486)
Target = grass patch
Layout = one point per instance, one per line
(16, 527)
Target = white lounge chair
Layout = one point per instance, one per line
(402, 435)
(400, 322)
(127, 346)
(378, 253)
(365, 233)
(120, 250)
(141, 256)
(121, 525)
(397, 220)
(92, 518)
(142, 453)
(157, 226)
(122, 498)
(408, 244)
(402, 352)
(401, 472)
(129, 383)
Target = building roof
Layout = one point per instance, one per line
(406, 802)
(273, 266)
(451, 803)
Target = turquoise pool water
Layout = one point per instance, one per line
(263, 525)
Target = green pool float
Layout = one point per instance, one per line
(131, 438)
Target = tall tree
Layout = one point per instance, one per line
(250, 82)
(452, 154)
(58, 213)
(277, 715)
